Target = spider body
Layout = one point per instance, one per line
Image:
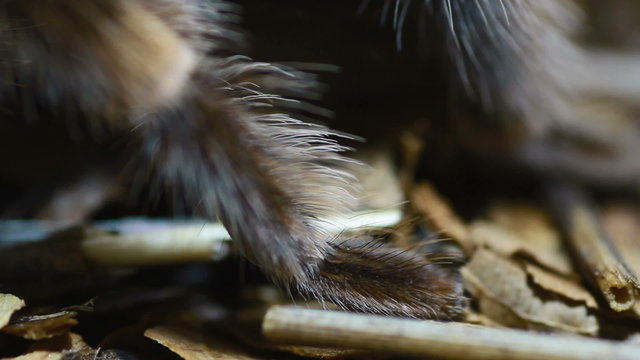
(206, 124)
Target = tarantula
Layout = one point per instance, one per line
(206, 123)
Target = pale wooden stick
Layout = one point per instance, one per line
(198, 241)
(600, 261)
(140, 241)
(173, 243)
(432, 339)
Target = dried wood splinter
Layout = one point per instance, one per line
(602, 264)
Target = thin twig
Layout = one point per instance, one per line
(433, 339)
(600, 261)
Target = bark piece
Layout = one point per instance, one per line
(509, 244)
(438, 213)
(9, 304)
(69, 346)
(192, 345)
(36, 327)
(503, 294)
(533, 226)
(560, 285)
